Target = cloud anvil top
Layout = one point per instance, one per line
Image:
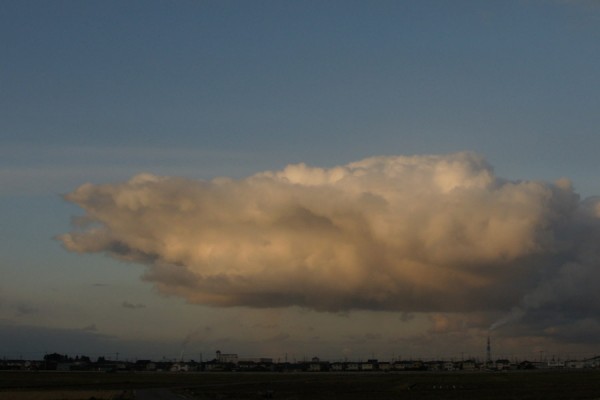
(434, 233)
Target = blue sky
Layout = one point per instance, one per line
(100, 91)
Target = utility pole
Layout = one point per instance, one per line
(488, 356)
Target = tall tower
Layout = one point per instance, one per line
(488, 353)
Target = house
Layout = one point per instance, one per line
(15, 365)
(502, 364)
(370, 365)
(314, 367)
(556, 363)
(317, 365)
(179, 367)
(539, 364)
(337, 366)
(448, 366)
(144, 365)
(64, 366)
(593, 362)
(385, 366)
(468, 365)
(352, 366)
(151, 366)
(415, 365)
(526, 365)
(246, 366)
(575, 364)
(214, 366)
(399, 365)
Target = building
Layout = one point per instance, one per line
(226, 358)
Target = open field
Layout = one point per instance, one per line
(61, 394)
(476, 385)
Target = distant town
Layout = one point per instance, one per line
(223, 362)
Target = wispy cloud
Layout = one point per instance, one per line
(50, 169)
(90, 328)
(25, 309)
(280, 337)
(133, 306)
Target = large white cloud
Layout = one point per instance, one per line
(422, 233)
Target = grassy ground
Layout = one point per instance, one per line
(532, 385)
(508, 385)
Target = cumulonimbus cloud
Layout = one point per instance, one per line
(420, 233)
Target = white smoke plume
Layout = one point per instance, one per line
(423, 233)
(514, 315)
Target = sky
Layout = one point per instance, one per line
(290, 179)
